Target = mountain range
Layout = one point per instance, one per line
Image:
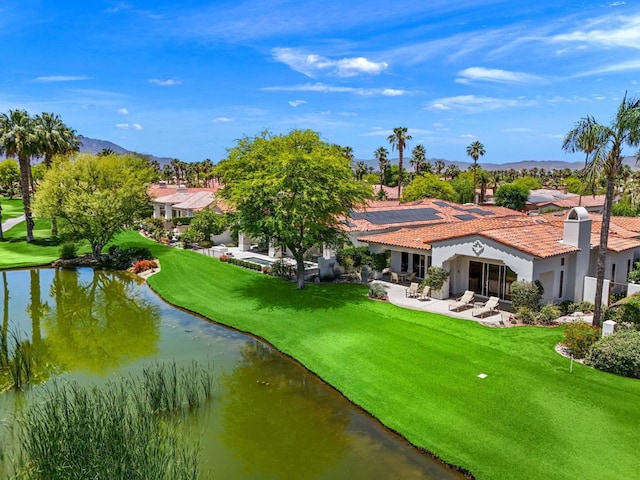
(92, 145)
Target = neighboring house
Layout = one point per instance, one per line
(487, 255)
(542, 198)
(171, 202)
(384, 192)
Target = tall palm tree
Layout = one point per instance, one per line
(18, 139)
(398, 140)
(418, 158)
(605, 159)
(439, 166)
(54, 138)
(360, 170)
(475, 151)
(348, 153)
(381, 154)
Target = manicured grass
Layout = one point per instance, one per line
(16, 252)
(11, 208)
(417, 372)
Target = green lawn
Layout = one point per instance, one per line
(16, 252)
(11, 208)
(417, 372)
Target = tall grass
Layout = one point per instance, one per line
(120, 430)
(17, 362)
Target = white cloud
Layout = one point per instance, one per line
(222, 120)
(123, 111)
(297, 103)
(316, 87)
(170, 82)
(311, 64)
(613, 68)
(619, 32)
(392, 92)
(473, 104)
(61, 78)
(518, 130)
(495, 75)
(126, 126)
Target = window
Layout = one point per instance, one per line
(560, 292)
(404, 262)
(613, 272)
(490, 279)
(419, 265)
(562, 262)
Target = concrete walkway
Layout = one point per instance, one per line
(397, 295)
(12, 222)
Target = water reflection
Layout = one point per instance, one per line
(277, 421)
(100, 323)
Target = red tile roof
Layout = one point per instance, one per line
(540, 236)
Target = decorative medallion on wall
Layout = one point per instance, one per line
(477, 247)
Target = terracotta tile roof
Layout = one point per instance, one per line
(588, 201)
(156, 191)
(540, 236)
(390, 192)
(195, 201)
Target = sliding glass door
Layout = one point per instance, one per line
(490, 279)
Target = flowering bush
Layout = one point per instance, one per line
(144, 265)
(223, 258)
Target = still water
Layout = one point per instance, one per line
(269, 419)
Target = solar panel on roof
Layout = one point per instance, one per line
(465, 216)
(479, 211)
(441, 204)
(382, 217)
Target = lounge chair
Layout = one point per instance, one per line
(464, 301)
(412, 291)
(489, 308)
(411, 277)
(426, 292)
(395, 278)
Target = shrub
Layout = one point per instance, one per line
(579, 336)
(548, 314)
(526, 315)
(583, 306)
(224, 258)
(68, 251)
(626, 310)
(125, 257)
(436, 276)
(525, 294)
(618, 353)
(380, 261)
(205, 244)
(144, 265)
(377, 290)
(359, 256)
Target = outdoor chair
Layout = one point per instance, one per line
(411, 277)
(395, 278)
(412, 291)
(464, 301)
(489, 308)
(426, 292)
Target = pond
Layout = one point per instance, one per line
(269, 419)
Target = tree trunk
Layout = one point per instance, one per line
(26, 194)
(1, 233)
(602, 251)
(96, 250)
(300, 271)
(399, 171)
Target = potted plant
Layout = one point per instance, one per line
(380, 262)
(436, 276)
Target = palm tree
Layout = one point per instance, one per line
(54, 138)
(381, 154)
(398, 140)
(18, 139)
(175, 164)
(360, 170)
(451, 172)
(475, 151)
(106, 152)
(419, 158)
(439, 166)
(605, 159)
(348, 153)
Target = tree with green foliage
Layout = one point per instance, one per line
(398, 140)
(54, 137)
(463, 186)
(511, 196)
(382, 155)
(18, 139)
(205, 223)
(428, 186)
(527, 183)
(95, 197)
(291, 189)
(605, 161)
(419, 158)
(9, 176)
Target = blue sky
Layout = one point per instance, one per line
(186, 79)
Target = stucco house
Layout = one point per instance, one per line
(488, 254)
